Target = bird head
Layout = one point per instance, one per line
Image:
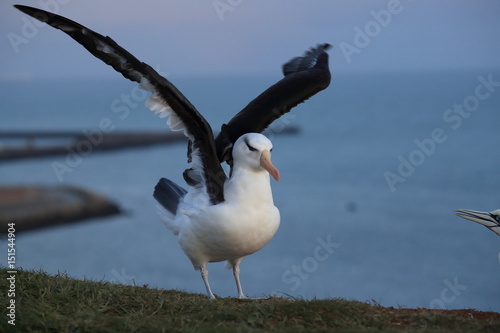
(253, 150)
(490, 220)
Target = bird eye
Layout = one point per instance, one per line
(495, 217)
(251, 148)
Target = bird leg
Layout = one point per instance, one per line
(204, 276)
(236, 273)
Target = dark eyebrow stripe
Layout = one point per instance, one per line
(248, 145)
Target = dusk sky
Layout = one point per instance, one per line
(233, 37)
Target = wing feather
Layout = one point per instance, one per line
(304, 77)
(166, 100)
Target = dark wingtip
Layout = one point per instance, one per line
(325, 46)
(308, 60)
(32, 11)
(24, 9)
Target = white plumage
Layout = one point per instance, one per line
(239, 226)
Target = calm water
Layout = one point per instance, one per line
(346, 231)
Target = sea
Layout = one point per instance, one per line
(369, 184)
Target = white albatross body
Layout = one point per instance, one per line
(241, 225)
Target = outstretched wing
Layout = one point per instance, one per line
(304, 77)
(166, 99)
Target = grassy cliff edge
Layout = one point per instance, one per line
(45, 303)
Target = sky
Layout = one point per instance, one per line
(254, 37)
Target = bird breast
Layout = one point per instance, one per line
(224, 232)
(241, 225)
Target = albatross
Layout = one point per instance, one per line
(220, 217)
(490, 220)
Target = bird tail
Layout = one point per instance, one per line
(168, 194)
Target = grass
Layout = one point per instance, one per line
(46, 303)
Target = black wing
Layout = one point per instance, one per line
(304, 77)
(165, 100)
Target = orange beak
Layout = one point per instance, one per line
(265, 162)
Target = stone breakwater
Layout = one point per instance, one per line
(33, 207)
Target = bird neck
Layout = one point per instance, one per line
(247, 182)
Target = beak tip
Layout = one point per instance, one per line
(277, 176)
